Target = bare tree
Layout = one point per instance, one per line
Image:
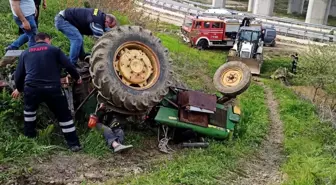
(318, 67)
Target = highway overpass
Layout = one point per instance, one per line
(285, 27)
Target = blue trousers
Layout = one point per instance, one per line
(57, 103)
(37, 6)
(30, 35)
(73, 34)
(111, 135)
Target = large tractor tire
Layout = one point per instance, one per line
(232, 78)
(130, 68)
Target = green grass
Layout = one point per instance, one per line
(211, 165)
(191, 59)
(195, 67)
(9, 31)
(14, 147)
(310, 144)
(212, 58)
(271, 65)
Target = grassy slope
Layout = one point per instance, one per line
(301, 169)
(12, 148)
(187, 61)
(209, 166)
(271, 65)
(309, 144)
(46, 24)
(196, 68)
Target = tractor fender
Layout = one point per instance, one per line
(201, 39)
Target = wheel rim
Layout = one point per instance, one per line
(136, 65)
(231, 77)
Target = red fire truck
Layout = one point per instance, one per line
(210, 31)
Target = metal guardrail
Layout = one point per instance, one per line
(165, 17)
(272, 18)
(283, 26)
(287, 20)
(210, 6)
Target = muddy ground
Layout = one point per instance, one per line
(74, 168)
(318, 95)
(282, 49)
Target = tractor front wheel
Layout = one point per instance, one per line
(232, 78)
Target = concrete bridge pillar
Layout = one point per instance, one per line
(250, 5)
(295, 6)
(263, 7)
(218, 3)
(332, 11)
(318, 11)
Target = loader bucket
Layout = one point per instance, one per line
(253, 64)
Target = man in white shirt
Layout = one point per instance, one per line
(24, 16)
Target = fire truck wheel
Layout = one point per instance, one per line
(130, 68)
(203, 44)
(232, 78)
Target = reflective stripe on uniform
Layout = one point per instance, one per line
(63, 124)
(29, 113)
(61, 13)
(29, 119)
(95, 12)
(68, 130)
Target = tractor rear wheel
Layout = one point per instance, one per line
(130, 68)
(232, 78)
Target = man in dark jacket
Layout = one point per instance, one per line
(38, 75)
(76, 22)
(294, 62)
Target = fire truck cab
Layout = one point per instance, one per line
(211, 31)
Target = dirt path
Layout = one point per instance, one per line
(73, 169)
(263, 167)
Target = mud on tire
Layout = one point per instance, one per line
(108, 68)
(232, 78)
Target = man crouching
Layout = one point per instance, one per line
(38, 75)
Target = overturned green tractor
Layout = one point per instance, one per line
(132, 76)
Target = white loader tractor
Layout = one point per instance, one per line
(248, 47)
